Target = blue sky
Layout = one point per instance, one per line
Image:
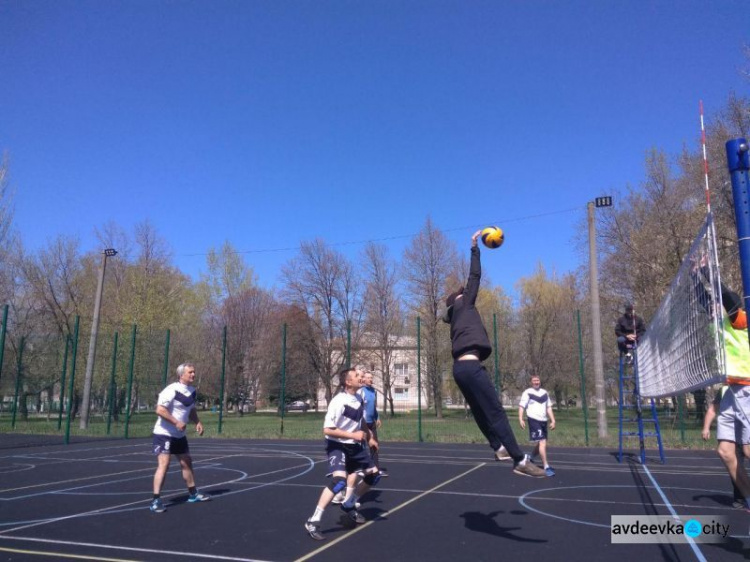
(267, 123)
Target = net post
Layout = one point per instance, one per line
(738, 163)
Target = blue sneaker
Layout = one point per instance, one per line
(198, 497)
(157, 506)
(548, 471)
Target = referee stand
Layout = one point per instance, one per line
(631, 409)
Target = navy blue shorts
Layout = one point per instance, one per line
(537, 430)
(348, 457)
(166, 445)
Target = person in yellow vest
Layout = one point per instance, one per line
(738, 501)
(733, 421)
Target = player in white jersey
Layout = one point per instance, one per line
(174, 408)
(348, 442)
(536, 403)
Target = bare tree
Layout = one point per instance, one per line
(428, 262)
(323, 283)
(384, 317)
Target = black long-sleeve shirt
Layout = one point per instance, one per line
(629, 324)
(467, 331)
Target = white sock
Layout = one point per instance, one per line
(318, 515)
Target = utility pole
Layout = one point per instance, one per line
(109, 252)
(596, 324)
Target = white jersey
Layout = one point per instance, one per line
(345, 412)
(179, 399)
(535, 402)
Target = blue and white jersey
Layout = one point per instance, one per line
(179, 399)
(535, 402)
(345, 412)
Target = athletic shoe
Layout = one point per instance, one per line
(738, 504)
(502, 455)
(528, 468)
(339, 498)
(548, 471)
(353, 514)
(383, 472)
(199, 497)
(157, 506)
(313, 529)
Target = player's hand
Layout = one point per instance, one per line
(378, 423)
(374, 444)
(199, 428)
(552, 424)
(474, 238)
(180, 426)
(522, 423)
(358, 435)
(706, 434)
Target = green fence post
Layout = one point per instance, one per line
(71, 384)
(19, 377)
(497, 359)
(223, 372)
(130, 379)
(681, 413)
(419, 379)
(3, 330)
(63, 374)
(583, 380)
(112, 384)
(166, 362)
(348, 344)
(282, 399)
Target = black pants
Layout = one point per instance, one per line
(474, 381)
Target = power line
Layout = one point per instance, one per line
(397, 237)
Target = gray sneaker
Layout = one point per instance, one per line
(353, 514)
(528, 468)
(313, 529)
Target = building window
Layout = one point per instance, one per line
(400, 393)
(401, 369)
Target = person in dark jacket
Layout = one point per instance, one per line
(470, 346)
(629, 329)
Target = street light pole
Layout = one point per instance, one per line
(596, 323)
(109, 252)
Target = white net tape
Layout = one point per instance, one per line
(683, 347)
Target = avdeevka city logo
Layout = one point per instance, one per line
(693, 528)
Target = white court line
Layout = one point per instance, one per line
(689, 539)
(385, 515)
(107, 510)
(128, 549)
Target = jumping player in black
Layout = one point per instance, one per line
(470, 346)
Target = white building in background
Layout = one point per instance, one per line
(403, 370)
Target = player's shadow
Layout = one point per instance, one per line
(485, 523)
(719, 499)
